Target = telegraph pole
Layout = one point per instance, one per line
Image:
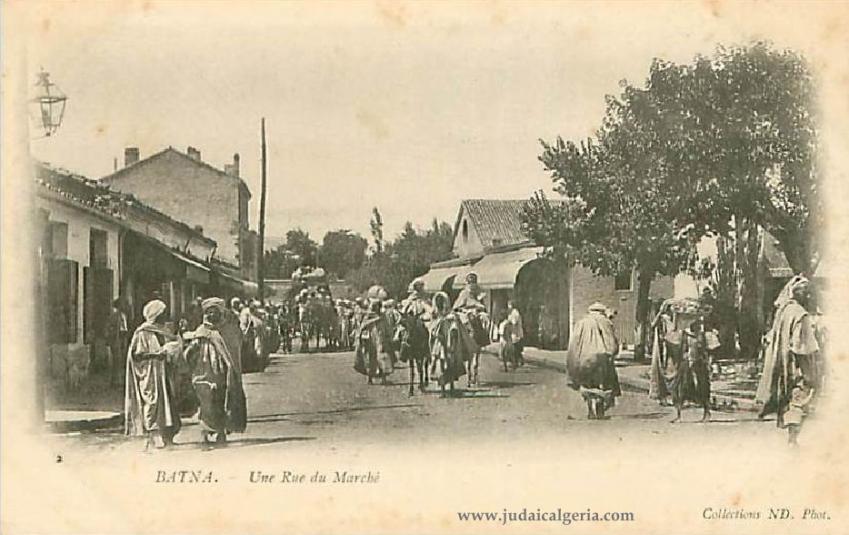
(261, 263)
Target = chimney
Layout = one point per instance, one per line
(131, 156)
(232, 169)
(193, 153)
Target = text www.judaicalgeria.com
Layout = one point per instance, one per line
(559, 515)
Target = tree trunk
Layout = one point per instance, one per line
(644, 280)
(725, 300)
(748, 313)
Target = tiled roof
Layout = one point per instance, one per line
(498, 222)
(120, 173)
(98, 196)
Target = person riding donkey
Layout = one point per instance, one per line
(416, 303)
(447, 351)
(411, 335)
(472, 312)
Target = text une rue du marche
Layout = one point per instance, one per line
(335, 476)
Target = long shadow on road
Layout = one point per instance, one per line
(243, 442)
(506, 384)
(640, 416)
(460, 393)
(284, 415)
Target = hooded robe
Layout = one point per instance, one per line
(592, 346)
(791, 345)
(217, 381)
(149, 403)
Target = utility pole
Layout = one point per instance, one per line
(261, 262)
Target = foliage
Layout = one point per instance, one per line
(299, 250)
(742, 144)
(407, 257)
(723, 144)
(376, 226)
(717, 284)
(341, 252)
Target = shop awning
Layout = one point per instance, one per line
(251, 289)
(498, 270)
(460, 278)
(195, 271)
(236, 284)
(436, 278)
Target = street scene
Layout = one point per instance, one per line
(283, 265)
(314, 403)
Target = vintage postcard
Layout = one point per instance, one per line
(424, 267)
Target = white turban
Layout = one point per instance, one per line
(153, 309)
(786, 295)
(213, 302)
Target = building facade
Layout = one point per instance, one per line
(97, 245)
(551, 294)
(186, 188)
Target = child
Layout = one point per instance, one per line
(505, 335)
(692, 376)
(800, 397)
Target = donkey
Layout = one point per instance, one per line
(413, 337)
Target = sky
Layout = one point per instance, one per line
(407, 107)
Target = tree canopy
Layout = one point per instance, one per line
(405, 258)
(298, 250)
(341, 252)
(725, 143)
(739, 133)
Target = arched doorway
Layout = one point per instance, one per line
(541, 295)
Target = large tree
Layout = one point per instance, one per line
(299, 250)
(341, 252)
(722, 146)
(743, 146)
(616, 215)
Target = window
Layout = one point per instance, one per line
(97, 302)
(98, 252)
(465, 230)
(61, 313)
(57, 240)
(623, 281)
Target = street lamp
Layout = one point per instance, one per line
(50, 101)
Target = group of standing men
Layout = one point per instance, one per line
(169, 374)
(793, 364)
(791, 355)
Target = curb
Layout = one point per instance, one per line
(101, 421)
(636, 383)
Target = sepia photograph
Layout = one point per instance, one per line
(424, 267)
